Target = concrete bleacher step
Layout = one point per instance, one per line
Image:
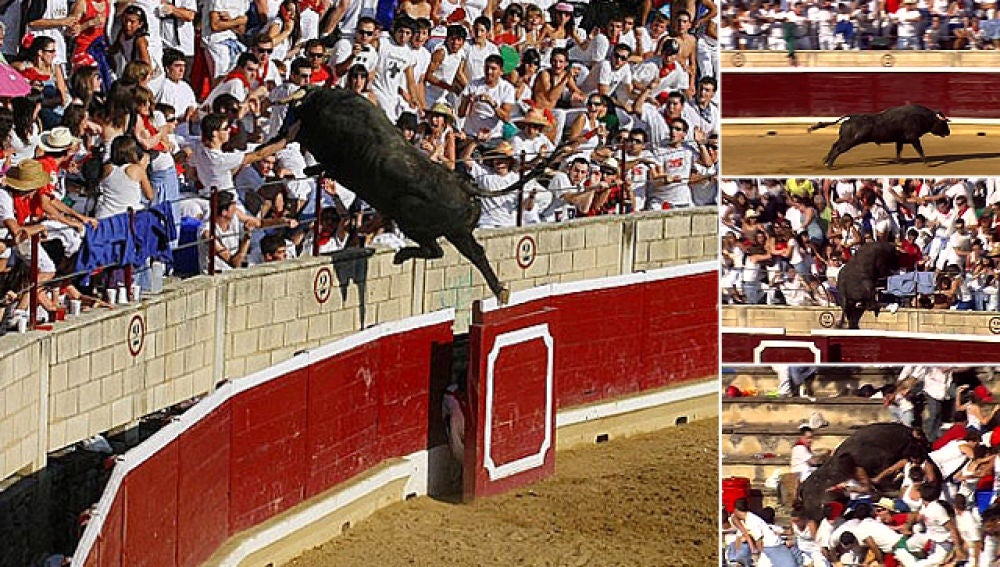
(829, 382)
(777, 438)
(840, 412)
(757, 470)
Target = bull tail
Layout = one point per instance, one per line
(543, 166)
(819, 125)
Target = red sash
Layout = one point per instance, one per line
(238, 74)
(148, 125)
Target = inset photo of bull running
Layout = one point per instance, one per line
(860, 270)
(859, 465)
(899, 87)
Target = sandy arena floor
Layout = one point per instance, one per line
(750, 151)
(647, 500)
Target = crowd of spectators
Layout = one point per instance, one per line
(785, 242)
(140, 111)
(938, 510)
(840, 25)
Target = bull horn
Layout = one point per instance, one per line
(940, 116)
(297, 95)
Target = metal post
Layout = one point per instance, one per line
(316, 222)
(520, 192)
(36, 239)
(211, 230)
(128, 267)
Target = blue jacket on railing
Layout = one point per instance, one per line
(111, 243)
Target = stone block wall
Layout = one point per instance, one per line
(21, 382)
(85, 380)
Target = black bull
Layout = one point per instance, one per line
(856, 282)
(874, 447)
(899, 125)
(356, 144)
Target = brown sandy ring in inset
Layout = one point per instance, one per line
(647, 500)
(749, 150)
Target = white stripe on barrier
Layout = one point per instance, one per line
(903, 335)
(641, 402)
(409, 468)
(753, 330)
(536, 459)
(138, 455)
(552, 290)
(758, 351)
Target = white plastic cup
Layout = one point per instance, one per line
(136, 292)
(156, 277)
(75, 306)
(122, 295)
(112, 295)
(22, 324)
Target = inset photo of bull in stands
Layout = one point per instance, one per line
(860, 465)
(849, 270)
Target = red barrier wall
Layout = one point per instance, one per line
(609, 341)
(898, 348)
(835, 93)
(265, 443)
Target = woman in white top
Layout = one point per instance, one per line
(285, 30)
(27, 130)
(124, 183)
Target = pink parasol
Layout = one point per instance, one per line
(12, 83)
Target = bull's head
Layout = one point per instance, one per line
(289, 128)
(940, 127)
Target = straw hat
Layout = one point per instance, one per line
(444, 110)
(58, 139)
(27, 176)
(503, 150)
(533, 116)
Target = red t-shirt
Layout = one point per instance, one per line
(322, 76)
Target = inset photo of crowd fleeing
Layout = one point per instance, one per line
(860, 466)
(886, 270)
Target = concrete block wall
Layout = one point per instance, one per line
(200, 331)
(21, 378)
(95, 383)
(801, 320)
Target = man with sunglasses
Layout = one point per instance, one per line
(322, 74)
(361, 49)
(614, 77)
(268, 75)
(671, 189)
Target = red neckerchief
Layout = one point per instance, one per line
(962, 211)
(800, 442)
(667, 69)
(262, 72)
(148, 125)
(237, 73)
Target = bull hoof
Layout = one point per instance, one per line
(503, 296)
